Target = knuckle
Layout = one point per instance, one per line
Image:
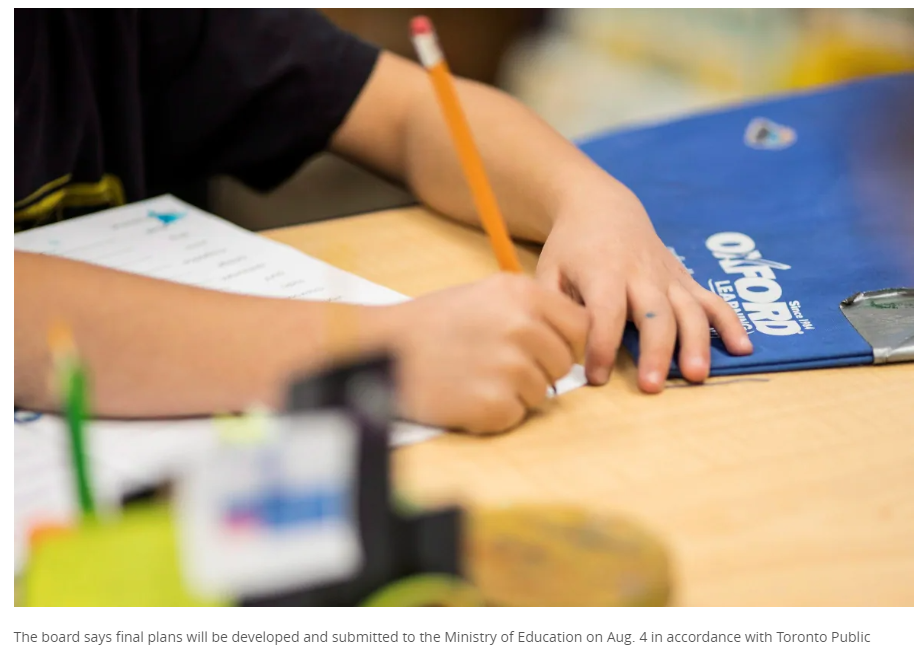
(498, 410)
(515, 369)
(491, 402)
(519, 326)
(527, 289)
(510, 282)
(510, 417)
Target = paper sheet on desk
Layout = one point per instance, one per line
(125, 456)
(171, 240)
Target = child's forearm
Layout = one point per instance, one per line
(397, 127)
(157, 348)
(534, 171)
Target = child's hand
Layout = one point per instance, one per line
(605, 253)
(479, 356)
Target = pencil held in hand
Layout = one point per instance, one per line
(430, 56)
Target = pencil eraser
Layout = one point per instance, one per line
(420, 25)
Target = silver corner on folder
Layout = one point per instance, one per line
(885, 318)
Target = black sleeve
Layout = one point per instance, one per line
(250, 93)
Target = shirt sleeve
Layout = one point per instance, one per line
(249, 93)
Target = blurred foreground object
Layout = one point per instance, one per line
(301, 513)
(598, 68)
(564, 557)
(843, 44)
(129, 562)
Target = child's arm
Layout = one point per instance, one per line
(600, 247)
(473, 357)
(158, 348)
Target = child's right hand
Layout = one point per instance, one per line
(479, 356)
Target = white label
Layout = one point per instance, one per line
(263, 518)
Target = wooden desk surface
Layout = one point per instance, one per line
(780, 489)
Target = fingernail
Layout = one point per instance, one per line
(653, 378)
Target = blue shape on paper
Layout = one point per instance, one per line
(165, 217)
(23, 417)
(280, 507)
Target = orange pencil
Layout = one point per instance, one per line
(430, 56)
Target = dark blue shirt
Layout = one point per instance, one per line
(116, 105)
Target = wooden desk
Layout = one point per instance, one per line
(782, 489)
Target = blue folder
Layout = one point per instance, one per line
(784, 208)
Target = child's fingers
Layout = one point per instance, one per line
(725, 320)
(567, 317)
(498, 409)
(652, 314)
(606, 305)
(548, 350)
(531, 385)
(693, 334)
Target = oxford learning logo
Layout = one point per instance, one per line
(753, 289)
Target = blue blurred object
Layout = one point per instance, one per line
(785, 208)
(23, 417)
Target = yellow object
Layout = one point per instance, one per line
(249, 427)
(427, 590)
(844, 44)
(837, 59)
(536, 556)
(107, 192)
(131, 561)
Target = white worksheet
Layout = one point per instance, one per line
(168, 239)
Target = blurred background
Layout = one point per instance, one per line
(591, 70)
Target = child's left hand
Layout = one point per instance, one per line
(604, 252)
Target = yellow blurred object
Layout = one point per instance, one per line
(563, 557)
(835, 59)
(427, 590)
(131, 561)
(598, 69)
(248, 428)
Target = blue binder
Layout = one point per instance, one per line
(784, 208)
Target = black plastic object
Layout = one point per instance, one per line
(394, 546)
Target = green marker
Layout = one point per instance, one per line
(72, 383)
